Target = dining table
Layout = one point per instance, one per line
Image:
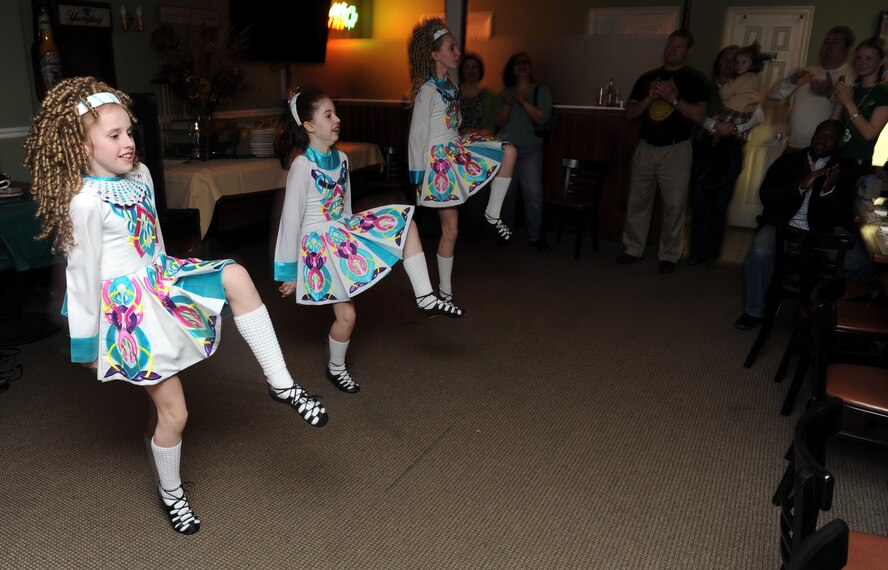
(202, 184)
(873, 220)
(21, 252)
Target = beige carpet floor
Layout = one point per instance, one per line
(582, 415)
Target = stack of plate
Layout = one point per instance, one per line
(262, 142)
(11, 194)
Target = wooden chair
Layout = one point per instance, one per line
(796, 273)
(826, 549)
(784, 285)
(860, 335)
(863, 389)
(806, 489)
(583, 182)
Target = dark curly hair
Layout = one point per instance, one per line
(509, 78)
(292, 140)
(469, 56)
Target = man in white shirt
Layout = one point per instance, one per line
(811, 88)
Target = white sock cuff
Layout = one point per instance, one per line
(445, 270)
(257, 315)
(257, 330)
(337, 351)
(167, 460)
(498, 189)
(418, 273)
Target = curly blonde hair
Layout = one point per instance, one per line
(55, 154)
(419, 53)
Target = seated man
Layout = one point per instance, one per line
(806, 191)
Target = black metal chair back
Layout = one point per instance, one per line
(580, 193)
(807, 487)
(394, 163)
(583, 179)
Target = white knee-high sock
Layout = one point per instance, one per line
(498, 189)
(166, 459)
(337, 354)
(445, 269)
(418, 273)
(257, 330)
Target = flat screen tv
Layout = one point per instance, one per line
(289, 31)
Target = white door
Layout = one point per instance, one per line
(783, 34)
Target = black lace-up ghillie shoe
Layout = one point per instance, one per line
(343, 381)
(307, 406)
(438, 307)
(502, 230)
(176, 505)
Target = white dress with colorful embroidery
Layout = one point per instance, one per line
(332, 254)
(143, 314)
(447, 167)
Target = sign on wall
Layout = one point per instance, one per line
(83, 15)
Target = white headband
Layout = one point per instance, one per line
(439, 33)
(96, 100)
(293, 109)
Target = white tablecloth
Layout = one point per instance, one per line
(874, 227)
(200, 184)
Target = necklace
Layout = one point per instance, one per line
(847, 136)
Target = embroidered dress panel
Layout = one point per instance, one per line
(448, 168)
(331, 253)
(144, 314)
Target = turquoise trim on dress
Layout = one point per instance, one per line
(327, 161)
(65, 305)
(206, 285)
(416, 176)
(491, 153)
(105, 178)
(286, 271)
(84, 349)
(385, 256)
(442, 83)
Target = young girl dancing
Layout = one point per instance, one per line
(135, 313)
(324, 253)
(449, 168)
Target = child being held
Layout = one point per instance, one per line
(740, 96)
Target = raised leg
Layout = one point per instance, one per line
(254, 324)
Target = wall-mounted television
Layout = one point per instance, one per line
(289, 31)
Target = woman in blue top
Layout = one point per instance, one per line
(519, 106)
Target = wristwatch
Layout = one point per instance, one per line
(674, 103)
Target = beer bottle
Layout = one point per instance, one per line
(50, 59)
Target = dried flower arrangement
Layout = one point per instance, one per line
(202, 71)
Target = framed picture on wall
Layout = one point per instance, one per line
(882, 30)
